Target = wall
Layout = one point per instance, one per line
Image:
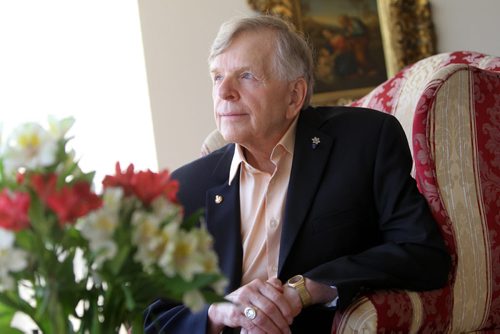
(467, 25)
(177, 35)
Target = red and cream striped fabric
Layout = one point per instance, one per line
(449, 106)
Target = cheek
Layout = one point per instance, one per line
(214, 98)
(217, 105)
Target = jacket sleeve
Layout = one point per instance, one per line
(164, 317)
(412, 254)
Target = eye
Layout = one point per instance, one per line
(247, 75)
(216, 78)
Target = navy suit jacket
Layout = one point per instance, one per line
(353, 218)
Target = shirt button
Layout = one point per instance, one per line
(274, 223)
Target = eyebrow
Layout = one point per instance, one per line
(239, 69)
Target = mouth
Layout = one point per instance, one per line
(231, 115)
(229, 111)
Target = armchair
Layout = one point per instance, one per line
(449, 107)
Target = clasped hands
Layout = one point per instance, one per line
(257, 307)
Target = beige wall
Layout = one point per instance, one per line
(467, 25)
(178, 33)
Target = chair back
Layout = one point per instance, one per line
(449, 106)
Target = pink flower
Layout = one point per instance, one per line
(14, 210)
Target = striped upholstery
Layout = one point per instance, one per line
(212, 142)
(449, 106)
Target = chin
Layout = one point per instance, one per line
(231, 135)
(230, 139)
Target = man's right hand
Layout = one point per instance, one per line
(274, 314)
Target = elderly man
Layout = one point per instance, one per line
(309, 206)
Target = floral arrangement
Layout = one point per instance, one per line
(76, 261)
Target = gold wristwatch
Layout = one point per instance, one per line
(298, 283)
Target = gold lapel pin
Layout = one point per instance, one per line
(218, 199)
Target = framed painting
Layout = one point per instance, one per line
(357, 44)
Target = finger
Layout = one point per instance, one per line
(278, 299)
(276, 283)
(257, 322)
(269, 316)
(264, 297)
(256, 330)
(229, 315)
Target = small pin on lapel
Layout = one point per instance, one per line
(218, 199)
(315, 142)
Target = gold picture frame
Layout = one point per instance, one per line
(406, 33)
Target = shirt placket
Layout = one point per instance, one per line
(273, 219)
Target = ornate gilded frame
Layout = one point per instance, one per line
(407, 35)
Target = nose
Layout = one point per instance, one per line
(227, 89)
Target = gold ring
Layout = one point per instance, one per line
(250, 312)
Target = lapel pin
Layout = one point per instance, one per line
(315, 142)
(218, 199)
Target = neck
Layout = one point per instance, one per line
(260, 159)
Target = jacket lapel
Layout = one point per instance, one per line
(307, 169)
(223, 213)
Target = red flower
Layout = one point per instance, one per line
(170, 190)
(20, 178)
(44, 185)
(14, 210)
(69, 202)
(72, 202)
(146, 185)
(149, 185)
(123, 180)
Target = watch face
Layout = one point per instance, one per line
(295, 279)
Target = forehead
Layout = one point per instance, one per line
(247, 48)
(264, 37)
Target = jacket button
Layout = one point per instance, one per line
(218, 199)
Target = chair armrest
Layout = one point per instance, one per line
(395, 311)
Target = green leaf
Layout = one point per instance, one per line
(193, 220)
(117, 262)
(42, 220)
(10, 303)
(2, 174)
(25, 239)
(212, 297)
(129, 298)
(6, 315)
(11, 300)
(137, 325)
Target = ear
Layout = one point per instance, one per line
(298, 91)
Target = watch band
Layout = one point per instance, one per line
(298, 283)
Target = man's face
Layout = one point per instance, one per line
(252, 106)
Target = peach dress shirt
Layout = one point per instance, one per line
(262, 203)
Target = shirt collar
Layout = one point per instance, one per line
(287, 142)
